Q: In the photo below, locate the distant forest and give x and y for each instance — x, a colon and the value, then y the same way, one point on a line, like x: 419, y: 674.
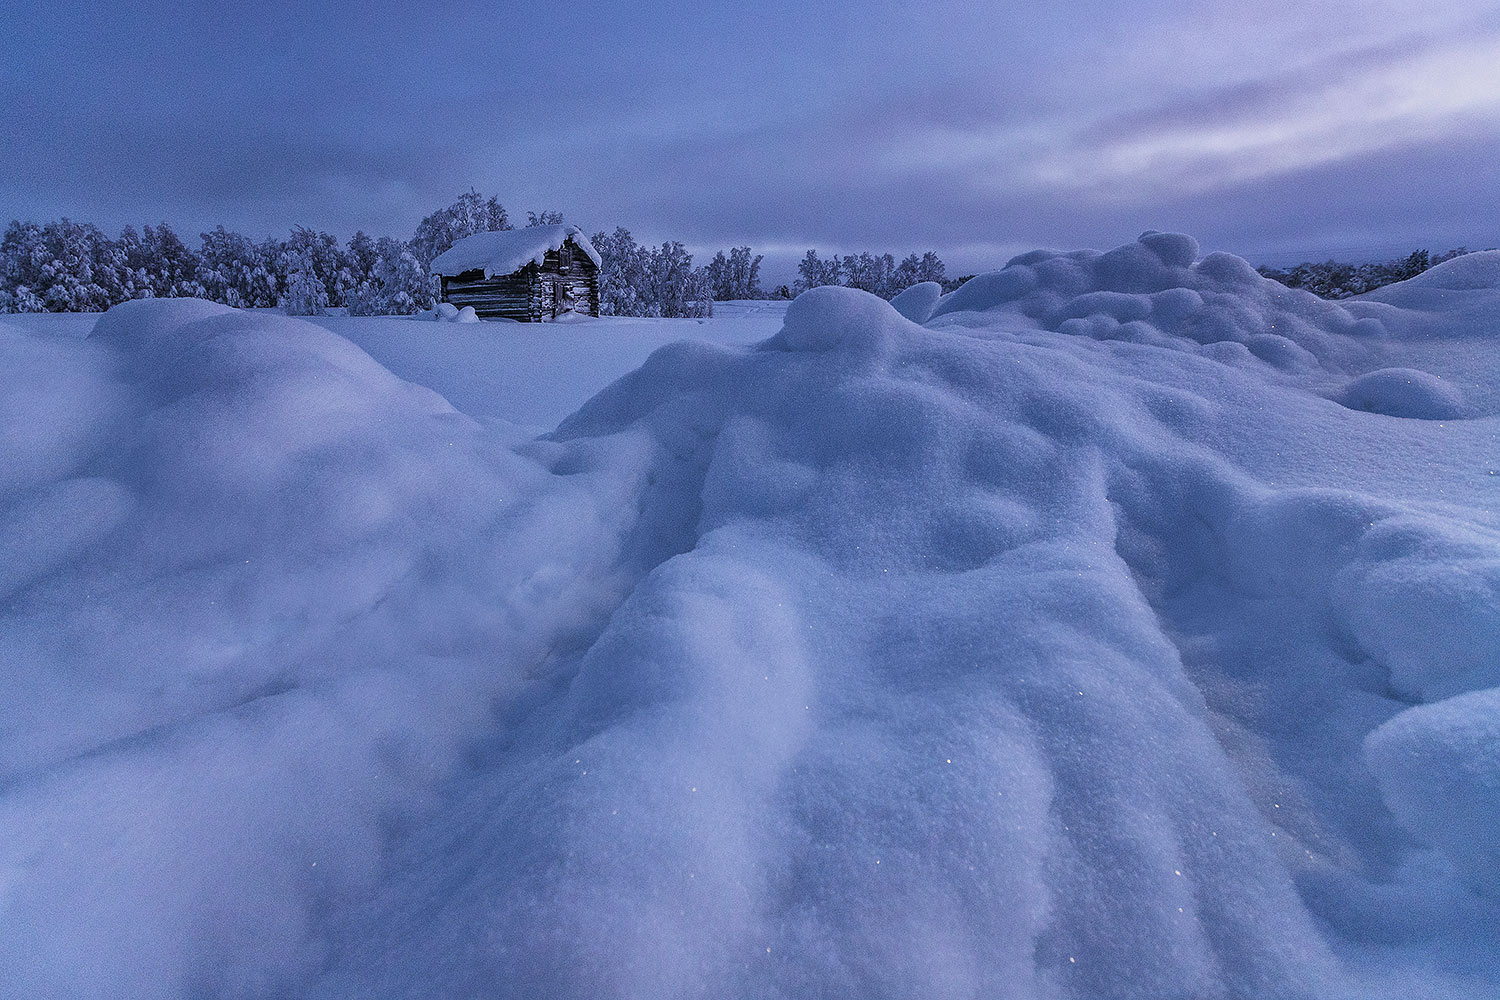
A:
x: 68, y: 266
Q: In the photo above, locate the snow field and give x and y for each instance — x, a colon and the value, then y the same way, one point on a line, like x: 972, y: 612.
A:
x: 989, y: 644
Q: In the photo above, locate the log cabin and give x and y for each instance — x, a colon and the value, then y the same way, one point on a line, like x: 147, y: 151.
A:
x: 534, y: 275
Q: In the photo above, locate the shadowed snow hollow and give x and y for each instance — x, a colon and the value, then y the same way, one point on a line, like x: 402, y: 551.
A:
x: 1074, y: 644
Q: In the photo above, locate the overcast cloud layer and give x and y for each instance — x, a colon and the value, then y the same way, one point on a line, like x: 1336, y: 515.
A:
x: 976, y: 130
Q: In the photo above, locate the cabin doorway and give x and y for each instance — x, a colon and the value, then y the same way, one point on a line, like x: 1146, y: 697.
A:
x: 557, y: 297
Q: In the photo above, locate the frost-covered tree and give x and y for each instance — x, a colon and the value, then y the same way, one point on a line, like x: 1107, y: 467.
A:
x: 878, y: 274
x: 399, y: 284
x: 135, y: 265
x: 360, y: 255
x: 640, y: 281
x: 471, y: 213
x: 62, y: 266
x: 736, y: 276
x: 813, y: 272
x: 156, y: 264
x: 622, y: 274
x: 317, y: 254
x: 672, y: 287
x: 305, y: 293
x: 867, y: 272
x: 178, y: 277
x: 236, y: 271
x: 543, y: 219
x: 914, y: 270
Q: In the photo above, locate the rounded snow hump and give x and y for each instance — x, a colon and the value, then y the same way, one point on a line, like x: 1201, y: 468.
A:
x: 1404, y: 392
x: 1158, y: 292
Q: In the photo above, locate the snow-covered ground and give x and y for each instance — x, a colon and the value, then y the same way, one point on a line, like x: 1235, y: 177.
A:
x: 527, y: 375
x: 1119, y: 625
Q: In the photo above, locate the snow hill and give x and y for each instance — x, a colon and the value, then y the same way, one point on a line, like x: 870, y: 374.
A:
x: 1117, y: 625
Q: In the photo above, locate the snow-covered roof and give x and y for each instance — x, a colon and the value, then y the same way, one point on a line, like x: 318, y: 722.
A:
x: 510, y: 250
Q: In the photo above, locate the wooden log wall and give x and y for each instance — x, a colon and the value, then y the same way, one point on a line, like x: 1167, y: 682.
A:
x: 529, y: 294
x: 512, y: 296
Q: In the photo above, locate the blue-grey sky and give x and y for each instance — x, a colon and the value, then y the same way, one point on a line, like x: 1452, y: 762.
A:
x: 1277, y: 131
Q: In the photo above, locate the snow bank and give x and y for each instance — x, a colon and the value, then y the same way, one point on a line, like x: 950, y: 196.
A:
x: 248, y: 621
x: 1471, y: 272
x: 510, y: 250
x: 1157, y: 292
x: 986, y: 657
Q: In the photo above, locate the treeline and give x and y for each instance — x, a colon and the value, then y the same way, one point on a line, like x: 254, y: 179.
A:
x: 879, y: 275
x: 67, y: 266
x: 1338, y: 280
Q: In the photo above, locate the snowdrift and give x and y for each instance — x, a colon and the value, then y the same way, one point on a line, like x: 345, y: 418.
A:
x: 1080, y: 640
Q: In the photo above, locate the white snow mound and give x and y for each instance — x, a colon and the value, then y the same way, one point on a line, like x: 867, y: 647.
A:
x: 1439, y: 770
x: 1156, y: 292
x: 917, y: 302
x: 985, y: 657
x: 1404, y: 392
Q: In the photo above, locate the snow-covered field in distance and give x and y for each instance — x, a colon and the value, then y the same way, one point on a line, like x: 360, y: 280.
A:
x: 1119, y: 625
x: 530, y: 375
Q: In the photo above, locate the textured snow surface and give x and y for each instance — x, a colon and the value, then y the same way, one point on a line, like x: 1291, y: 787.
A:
x: 510, y: 250
x: 1078, y: 643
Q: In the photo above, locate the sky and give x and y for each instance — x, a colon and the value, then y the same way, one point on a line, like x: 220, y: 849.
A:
x: 1280, y: 132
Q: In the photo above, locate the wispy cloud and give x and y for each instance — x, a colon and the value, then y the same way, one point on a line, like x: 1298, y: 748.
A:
x: 1346, y: 108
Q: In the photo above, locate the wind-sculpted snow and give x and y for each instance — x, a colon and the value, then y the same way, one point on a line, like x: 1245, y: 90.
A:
x: 1157, y: 292
x: 975, y: 659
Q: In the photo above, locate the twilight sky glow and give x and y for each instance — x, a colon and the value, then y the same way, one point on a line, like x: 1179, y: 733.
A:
x: 975, y: 129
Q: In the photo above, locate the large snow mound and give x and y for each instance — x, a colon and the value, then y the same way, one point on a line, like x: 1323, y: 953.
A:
x: 509, y: 250
x: 969, y: 659
x: 1157, y: 292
